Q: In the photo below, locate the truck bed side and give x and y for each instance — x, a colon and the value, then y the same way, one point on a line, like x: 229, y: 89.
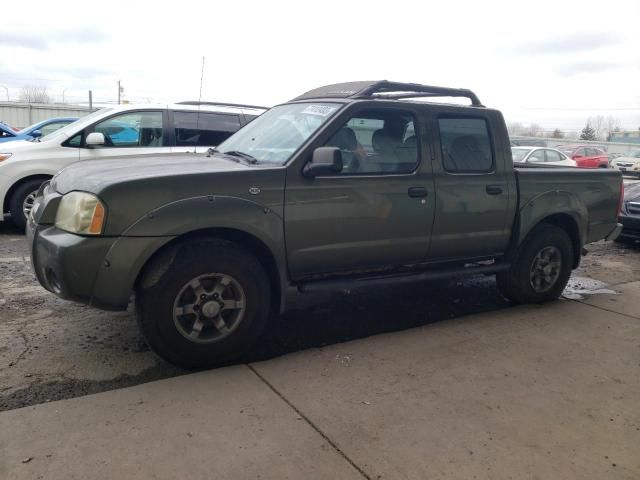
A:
x: 589, y: 197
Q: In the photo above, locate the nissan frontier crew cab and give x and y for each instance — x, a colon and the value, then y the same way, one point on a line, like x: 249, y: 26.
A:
x: 348, y: 184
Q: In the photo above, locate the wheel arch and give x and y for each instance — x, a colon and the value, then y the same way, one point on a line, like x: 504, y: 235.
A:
x: 566, y: 222
x: 17, y: 184
x: 157, y: 262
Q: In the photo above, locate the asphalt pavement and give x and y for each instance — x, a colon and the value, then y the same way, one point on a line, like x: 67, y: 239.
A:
x: 533, y: 392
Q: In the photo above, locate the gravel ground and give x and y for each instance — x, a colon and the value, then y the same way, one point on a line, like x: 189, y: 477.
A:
x: 52, y: 349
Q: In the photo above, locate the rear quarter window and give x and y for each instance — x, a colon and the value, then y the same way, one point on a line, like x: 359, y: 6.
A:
x: 465, y: 144
x: 203, y: 129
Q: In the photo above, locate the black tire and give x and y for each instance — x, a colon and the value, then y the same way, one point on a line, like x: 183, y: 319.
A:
x: 17, y: 200
x: 516, y: 283
x: 193, y: 259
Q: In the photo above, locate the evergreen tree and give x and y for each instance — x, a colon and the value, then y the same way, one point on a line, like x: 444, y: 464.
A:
x: 588, y: 133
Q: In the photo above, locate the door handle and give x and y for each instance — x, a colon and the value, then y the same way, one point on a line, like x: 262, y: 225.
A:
x: 494, y: 189
x: 416, y: 192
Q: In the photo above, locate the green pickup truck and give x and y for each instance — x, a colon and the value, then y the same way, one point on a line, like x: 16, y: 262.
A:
x: 349, y: 184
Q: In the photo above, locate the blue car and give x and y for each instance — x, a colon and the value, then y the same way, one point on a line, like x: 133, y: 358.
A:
x: 36, y: 130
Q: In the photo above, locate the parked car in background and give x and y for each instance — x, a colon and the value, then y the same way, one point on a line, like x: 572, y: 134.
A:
x: 628, y: 163
x: 40, y: 129
x: 546, y: 156
x: 630, y: 214
x: 6, y: 132
x: 586, y: 156
x: 344, y: 186
x: 118, y: 131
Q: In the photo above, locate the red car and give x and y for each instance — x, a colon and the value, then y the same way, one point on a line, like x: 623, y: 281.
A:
x: 586, y: 156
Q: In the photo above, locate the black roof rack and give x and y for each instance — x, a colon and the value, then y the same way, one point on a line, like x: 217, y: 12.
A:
x: 387, y: 89
x: 220, y: 104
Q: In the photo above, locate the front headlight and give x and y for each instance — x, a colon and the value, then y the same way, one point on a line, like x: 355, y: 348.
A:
x: 80, y: 212
x: 4, y: 156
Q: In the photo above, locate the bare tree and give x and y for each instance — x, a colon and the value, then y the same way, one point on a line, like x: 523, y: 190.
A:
x: 612, y: 126
x: 514, y: 128
x: 34, y: 94
x: 557, y: 133
x: 532, y: 130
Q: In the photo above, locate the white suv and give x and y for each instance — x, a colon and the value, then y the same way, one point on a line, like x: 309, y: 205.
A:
x: 123, y: 130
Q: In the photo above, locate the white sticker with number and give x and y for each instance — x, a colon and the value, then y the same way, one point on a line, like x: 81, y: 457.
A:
x: 320, y: 110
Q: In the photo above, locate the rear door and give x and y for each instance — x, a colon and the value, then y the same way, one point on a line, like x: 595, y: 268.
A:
x: 472, y: 208
x: 199, y: 131
x: 131, y: 133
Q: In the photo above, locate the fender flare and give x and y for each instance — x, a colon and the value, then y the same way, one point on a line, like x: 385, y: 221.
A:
x: 205, y: 215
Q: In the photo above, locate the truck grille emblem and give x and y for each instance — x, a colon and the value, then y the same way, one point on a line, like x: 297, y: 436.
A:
x: 254, y: 190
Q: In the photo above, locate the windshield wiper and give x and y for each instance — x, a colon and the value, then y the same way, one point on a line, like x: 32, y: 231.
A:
x: 245, y: 156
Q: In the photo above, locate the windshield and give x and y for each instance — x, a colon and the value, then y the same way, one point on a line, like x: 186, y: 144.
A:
x: 635, y: 154
x: 519, y: 154
x: 73, y: 127
x: 275, y: 135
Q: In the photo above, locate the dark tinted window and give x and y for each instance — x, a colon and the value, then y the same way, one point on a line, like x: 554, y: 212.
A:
x: 377, y: 141
x: 203, y: 129
x: 466, y: 146
x: 74, y: 141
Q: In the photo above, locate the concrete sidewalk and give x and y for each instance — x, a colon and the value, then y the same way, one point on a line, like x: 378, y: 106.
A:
x: 543, y: 392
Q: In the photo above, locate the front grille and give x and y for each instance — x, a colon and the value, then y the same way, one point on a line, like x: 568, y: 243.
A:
x: 625, y: 164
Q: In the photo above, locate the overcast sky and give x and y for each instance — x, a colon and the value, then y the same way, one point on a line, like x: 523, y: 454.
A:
x: 554, y: 63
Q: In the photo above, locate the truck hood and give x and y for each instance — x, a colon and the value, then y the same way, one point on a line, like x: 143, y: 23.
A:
x: 97, y: 175
x: 133, y: 187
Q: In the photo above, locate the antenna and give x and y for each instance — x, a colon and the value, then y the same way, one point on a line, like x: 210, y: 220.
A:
x: 195, y: 147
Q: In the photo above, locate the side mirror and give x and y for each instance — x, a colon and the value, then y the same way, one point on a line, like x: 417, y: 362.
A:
x: 95, y: 139
x: 36, y: 134
x: 576, y: 156
x: 325, y: 161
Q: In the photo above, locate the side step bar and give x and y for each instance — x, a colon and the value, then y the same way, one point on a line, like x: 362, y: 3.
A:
x: 349, y: 283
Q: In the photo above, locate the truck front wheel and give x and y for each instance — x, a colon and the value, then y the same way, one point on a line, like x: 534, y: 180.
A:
x: 203, y: 305
x: 541, y: 268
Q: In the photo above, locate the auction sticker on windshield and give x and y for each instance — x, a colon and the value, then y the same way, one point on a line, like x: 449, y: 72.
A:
x: 320, y: 110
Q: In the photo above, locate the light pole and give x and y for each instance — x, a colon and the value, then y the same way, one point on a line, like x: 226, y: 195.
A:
x: 7, y: 90
x: 63, y: 90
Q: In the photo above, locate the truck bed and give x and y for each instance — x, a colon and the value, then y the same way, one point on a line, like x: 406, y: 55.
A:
x: 594, y: 192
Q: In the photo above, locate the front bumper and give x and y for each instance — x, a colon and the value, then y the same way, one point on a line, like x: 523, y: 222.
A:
x: 615, y: 233
x: 99, y: 271
x: 630, y: 226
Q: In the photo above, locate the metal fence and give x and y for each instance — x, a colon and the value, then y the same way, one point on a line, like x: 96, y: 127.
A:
x: 20, y: 115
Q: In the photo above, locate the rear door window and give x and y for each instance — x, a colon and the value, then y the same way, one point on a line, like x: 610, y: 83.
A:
x: 553, y: 156
x: 537, y: 156
x: 465, y: 144
x: 195, y: 129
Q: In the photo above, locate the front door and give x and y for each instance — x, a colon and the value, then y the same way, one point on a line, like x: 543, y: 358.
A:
x: 129, y: 133
x: 376, y: 213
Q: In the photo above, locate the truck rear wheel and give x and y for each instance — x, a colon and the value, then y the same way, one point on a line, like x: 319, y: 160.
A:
x: 541, y: 269
x: 207, y: 307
